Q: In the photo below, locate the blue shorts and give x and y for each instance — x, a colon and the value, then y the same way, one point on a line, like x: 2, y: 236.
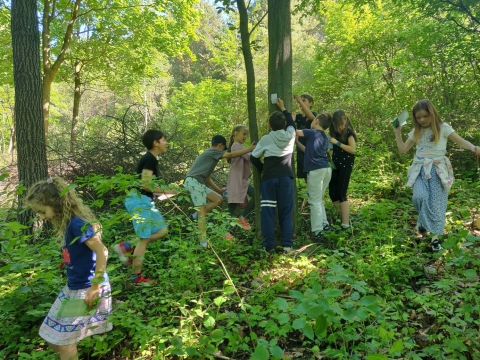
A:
x: 146, y: 218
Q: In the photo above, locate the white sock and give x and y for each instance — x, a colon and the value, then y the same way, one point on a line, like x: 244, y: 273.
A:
x: 346, y: 226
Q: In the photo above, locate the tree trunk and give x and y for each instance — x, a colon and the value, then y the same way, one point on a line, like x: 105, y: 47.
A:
x: 280, y: 62
x: 77, y: 95
x: 30, y: 135
x: 251, y: 104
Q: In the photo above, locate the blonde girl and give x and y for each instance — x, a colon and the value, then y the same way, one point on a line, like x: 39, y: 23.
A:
x: 85, y: 260
x: 430, y: 174
x: 239, y: 188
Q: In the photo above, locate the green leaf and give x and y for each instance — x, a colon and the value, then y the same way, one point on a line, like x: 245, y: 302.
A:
x: 368, y: 300
x: 283, y: 318
x: 281, y: 303
x: 349, y: 314
x: 228, y: 290
x: 332, y: 293
x: 219, y: 300
x: 209, y: 322
x: 470, y: 274
x: 376, y: 357
x: 15, y: 226
x: 260, y: 353
x: 276, y: 351
x: 321, y: 327
x: 23, y: 289
x: 308, y: 331
x: 191, y: 351
x: 296, y: 294
x: 216, y: 334
x: 315, y: 311
x: 397, y: 346
x: 299, y: 323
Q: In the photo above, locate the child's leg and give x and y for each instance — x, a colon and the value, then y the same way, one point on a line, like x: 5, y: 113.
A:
x: 344, y: 181
x: 231, y: 209
x: 251, y: 203
x: 65, y: 352
x: 284, y: 191
x: 268, y: 207
x: 345, y: 212
x: 139, y: 252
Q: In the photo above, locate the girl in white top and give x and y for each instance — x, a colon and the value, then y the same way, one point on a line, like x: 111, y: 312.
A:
x: 430, y: 174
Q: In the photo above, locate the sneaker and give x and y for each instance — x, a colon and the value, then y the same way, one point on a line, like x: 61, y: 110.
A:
x: 327, y: 228
x: 318, y: 236
x: 140, y: 280
x: 269, y: 249
x: 287, y: 249
x: 436, y: 246
x: 244, y: 224
x: 345, y: 228
x: 124, y: 251
x: 229, y: 236
x: 194, y: 217
x: 204, y: 244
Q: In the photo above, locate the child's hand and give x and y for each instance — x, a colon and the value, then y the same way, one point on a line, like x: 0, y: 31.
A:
x: 222, y: 190
x: 280, y: 104
x: 476, y: 151
x: 297, y: 98
x: 332, y: 140
x: 92, y: 295
x: 252, y: 146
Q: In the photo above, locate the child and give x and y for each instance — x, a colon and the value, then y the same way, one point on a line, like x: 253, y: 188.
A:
x: 277, y: 186
x: 431, y: 173
x: 238, y: 185
x: 148, y: 222
x: 85, y: 259
x: 303, y: 121
x: 343, y: 137
x: 200, y: 185
x: 318, y: 171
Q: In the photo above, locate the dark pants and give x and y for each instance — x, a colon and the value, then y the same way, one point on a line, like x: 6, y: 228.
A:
x: 277, y: 194
x: 337, y: 189
x: 250, y: 206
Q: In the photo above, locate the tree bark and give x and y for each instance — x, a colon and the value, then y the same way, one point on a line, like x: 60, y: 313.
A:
x: 30, y: 135
x: 77, y: 96
x: 251, y: 104
x: 280, y: 63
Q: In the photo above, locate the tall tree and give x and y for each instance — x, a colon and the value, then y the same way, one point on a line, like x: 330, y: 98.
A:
x: 280, y: 59
x: 32, y: 155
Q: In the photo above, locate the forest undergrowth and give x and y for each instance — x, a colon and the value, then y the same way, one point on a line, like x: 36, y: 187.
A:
x: 374, y: 293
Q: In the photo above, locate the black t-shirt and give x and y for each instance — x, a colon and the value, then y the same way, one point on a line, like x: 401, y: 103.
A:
x: 340, y: 157
x: 302, y: 122
x: 149, y: 162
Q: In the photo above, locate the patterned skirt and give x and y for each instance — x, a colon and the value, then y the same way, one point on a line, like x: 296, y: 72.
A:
x: 430, y: 200
x: 70, y: 330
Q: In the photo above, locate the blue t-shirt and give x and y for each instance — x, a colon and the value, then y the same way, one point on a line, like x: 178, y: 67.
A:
x: 79, y: 259
x: 315, y: 150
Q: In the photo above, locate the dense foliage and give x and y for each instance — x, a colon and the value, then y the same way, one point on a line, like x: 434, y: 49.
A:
x: 376, y: 293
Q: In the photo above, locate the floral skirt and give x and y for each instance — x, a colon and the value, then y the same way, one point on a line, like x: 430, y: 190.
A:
x: 70, y: 330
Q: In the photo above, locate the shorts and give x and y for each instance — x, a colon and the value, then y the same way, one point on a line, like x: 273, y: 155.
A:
x: 146, y: 218
x: 198, y: 191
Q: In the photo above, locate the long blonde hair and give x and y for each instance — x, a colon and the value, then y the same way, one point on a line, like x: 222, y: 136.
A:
x: 65, y: 202
x: 427, y: 106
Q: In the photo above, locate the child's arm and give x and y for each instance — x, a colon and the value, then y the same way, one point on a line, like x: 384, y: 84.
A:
x: 238, y: 153
x: 96, y: 245
x: 257, y: 162
x: 147, y: 178
x: 288, y: 116
x: 464, y: 144
x: 299, y: 133
x: 402, y: 147
x: 214, y: 186
x: 350, y: 148
x: 305, y: 109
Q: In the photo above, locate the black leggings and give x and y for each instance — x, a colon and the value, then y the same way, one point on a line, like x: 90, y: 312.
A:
x: 250, y: 206
x: 339, y: 184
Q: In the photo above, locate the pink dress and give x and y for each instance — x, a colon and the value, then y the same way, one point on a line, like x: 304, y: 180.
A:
x: 238, y: 177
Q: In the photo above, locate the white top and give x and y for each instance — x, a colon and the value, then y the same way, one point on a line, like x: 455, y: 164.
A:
x: 428, y: 148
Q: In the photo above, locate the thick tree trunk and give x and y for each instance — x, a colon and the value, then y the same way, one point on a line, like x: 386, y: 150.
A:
x: 30, y: 136
x: 251, y: 104
x: 280, y: 60
x: 77, y: 95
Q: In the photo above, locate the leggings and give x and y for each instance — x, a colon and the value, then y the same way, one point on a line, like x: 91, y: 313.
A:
x: 339, y: 184
x: 250, y: 206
